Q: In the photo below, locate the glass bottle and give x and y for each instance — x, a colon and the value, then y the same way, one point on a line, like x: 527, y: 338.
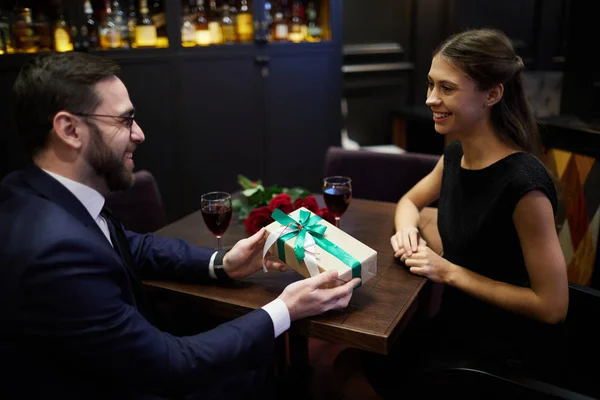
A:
x: 314, y: 31
x: 145, y: 31
x: 188, y: 29
x: 159, y: 18
x: 227, y: 26
x: 268, y: 20
x: 121, y: 23
x: 280, y: 22
x: 44, y: 32
x: 5, y: 37
x: 214, y: 24
x: 298, y: 29
x: 132, y: 22
x: 110, y: 35
x: 62, y: 35
x: 203, y: 37
x: 25, y: 39
x: 91, y: 26
x: 244, y: 27
x: 233, y: 13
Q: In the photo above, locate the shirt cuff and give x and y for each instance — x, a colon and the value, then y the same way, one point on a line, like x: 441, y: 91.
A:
x: 211, y: 266
x: 280, y: 315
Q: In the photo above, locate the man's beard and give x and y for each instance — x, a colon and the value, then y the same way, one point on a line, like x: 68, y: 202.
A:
x: 106, y: 164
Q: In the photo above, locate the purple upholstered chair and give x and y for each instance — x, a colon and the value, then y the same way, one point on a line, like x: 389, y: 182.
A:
x: 379, y: 176
x: 139, y: 208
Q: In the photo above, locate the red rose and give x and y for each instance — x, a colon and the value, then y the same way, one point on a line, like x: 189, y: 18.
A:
x: 257, y: 218
x: 326, y: 215
x: 282, y: 201
x: 298, y: 203
x: 310, y: 203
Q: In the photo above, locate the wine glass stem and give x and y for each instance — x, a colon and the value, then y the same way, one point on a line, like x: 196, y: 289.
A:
x: 218, y: 243
x: 337, y: 222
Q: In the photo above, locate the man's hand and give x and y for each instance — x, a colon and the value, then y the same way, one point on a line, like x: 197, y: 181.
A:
x: 309, y: 296
x: 245, y: 258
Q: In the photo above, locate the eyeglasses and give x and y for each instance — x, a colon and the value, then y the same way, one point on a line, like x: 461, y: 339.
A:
x: 127, y: 120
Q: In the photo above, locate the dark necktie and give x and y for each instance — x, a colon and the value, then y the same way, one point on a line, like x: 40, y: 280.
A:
x: 121, y: 246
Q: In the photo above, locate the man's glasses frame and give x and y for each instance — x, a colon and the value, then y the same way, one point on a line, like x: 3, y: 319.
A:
x: 127, y: 119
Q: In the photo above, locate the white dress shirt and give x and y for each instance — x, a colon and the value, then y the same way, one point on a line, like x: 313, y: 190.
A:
x: 93, y: 201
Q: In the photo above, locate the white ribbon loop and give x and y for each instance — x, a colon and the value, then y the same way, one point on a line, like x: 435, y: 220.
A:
x: 309, y: 249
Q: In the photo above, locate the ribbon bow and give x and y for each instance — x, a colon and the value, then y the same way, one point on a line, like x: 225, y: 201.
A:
x: 308, y: 231
x: 306, y: 224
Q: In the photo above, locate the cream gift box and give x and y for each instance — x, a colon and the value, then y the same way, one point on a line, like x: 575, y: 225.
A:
x: 311, y: 245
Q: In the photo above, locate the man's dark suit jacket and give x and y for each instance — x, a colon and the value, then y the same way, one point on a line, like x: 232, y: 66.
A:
x: 69, y: 325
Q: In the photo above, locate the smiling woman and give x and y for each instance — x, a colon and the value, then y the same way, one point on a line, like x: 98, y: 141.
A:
x: 505, y: 277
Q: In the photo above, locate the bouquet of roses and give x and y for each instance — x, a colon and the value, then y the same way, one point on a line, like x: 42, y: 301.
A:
x: 258, y: 203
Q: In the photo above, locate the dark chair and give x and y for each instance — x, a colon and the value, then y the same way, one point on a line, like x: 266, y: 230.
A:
x: 139, y: 208
x: 476, y: 379
x: 379, y: 176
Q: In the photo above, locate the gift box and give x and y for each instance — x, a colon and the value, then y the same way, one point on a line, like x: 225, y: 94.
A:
x: 310, y: 245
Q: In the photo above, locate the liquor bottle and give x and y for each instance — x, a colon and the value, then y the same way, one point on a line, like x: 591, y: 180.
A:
x: 25, y: 39
x: 214, y: 24
x: 268, y: 21
x: 121, y: 23
x: 110, y: 35
x: 145, y: 31
x: 313, y: 32
x: 91, y: 26
x: 43, y: 31
x: 298, y: 28
x: 5, y: 37
x: 280, y: 22
x: 131, y: 22
x: 202, y: 32
x: 227, y: 26
x: 244, y: 23
x: 159, y: 18
x: 76, y: 39
x: 193, y: 9
x: 62, y: 35
x: 2, y: 40
x: 188, y: 29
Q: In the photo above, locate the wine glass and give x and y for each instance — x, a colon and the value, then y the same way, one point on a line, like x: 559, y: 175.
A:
x: 337, y: 192
x: 216, y: 211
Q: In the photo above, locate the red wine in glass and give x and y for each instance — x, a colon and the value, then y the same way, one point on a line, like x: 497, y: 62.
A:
x: 337, y: 200
x: 337, y: 193
x: 217, y: 218
x: 216, y: 211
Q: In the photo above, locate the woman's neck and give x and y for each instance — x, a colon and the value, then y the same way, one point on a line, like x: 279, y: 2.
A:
x: 483, y: 148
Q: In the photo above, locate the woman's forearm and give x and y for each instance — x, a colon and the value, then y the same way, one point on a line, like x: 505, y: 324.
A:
x: 520, y: 300
x: 407, y: 214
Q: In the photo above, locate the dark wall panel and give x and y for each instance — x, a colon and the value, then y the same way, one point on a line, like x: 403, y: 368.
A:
x: 151, y: 87
x: 303, y: 122
x: 377, y: 21
x: 223, y: 130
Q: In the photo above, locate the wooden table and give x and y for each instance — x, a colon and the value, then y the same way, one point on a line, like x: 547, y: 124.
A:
x: 378, y: 312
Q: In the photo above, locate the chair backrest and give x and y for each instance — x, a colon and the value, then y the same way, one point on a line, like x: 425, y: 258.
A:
x: 379, y: 176
x: 139, y: 208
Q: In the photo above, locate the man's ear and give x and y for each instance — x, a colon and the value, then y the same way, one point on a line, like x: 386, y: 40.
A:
x: 494, y: 94
x: 65, y: 128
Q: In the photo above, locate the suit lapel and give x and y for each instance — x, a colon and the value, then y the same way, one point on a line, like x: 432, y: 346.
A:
x: 54, y: 191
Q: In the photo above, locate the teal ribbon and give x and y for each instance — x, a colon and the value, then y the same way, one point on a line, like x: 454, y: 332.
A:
x: 311, y: 224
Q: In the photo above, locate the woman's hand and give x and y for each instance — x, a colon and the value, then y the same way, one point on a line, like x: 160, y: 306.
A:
x: 426, y: 262
x: 406, y: 241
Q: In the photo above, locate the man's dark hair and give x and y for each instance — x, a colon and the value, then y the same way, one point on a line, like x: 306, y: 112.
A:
x: 51, y: 83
